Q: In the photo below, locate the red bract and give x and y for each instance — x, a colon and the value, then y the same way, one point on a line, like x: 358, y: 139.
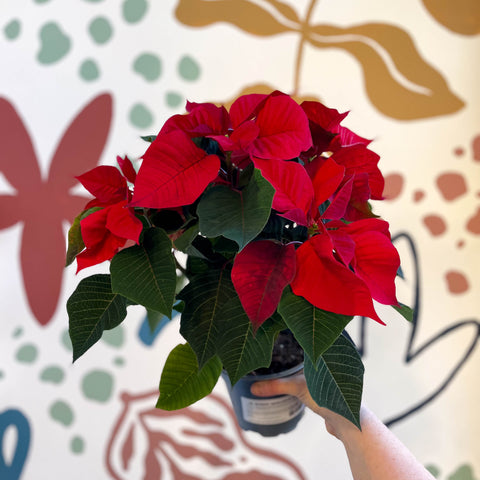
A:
x: 106, y: 230
x: 203, y: 119
x: 260, y: 273
x: 293, y: 189
x: 282, y: 129
x: 106, y: 184
x: 174, y: 172
x: 329, y: 284
x: 376, y: 260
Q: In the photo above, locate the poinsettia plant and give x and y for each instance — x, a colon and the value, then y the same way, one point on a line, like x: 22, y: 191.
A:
x: 248, y: 221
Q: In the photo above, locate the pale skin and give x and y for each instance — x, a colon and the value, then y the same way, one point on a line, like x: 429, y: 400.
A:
x: 374, y: 453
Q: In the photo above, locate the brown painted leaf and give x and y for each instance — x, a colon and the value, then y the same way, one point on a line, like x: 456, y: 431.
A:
x: 286, y: 10
x: 399, y: 82
x: 244, y: 14
x: 461, y: 16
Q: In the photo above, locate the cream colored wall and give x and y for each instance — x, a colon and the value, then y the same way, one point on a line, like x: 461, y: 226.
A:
x: 410, y: 83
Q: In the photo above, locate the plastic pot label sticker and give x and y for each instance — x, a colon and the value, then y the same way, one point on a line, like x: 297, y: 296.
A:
x: 271, y: 411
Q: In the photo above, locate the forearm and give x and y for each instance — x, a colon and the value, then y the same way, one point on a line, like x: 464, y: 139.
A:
x: 375, y: 453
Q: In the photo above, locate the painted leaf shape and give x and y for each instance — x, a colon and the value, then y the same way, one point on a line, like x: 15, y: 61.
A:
x: 93, y: 308
x: 405, y: 86
x: 182, y: 383
x: 314, y: 329
x: 260, y: 273
x: 174, y: 172
x: 204, y: 296
x: 146, y: 273
x: 336, y: 381
x: 239, y: 215
x: 244, y: 14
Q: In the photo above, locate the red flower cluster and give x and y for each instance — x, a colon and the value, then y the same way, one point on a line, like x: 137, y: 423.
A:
x: 323, y: 175
x: 111, y: 223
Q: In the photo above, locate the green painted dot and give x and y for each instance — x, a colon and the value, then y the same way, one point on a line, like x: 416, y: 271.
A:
x: 41, y: 1
x: 465, y: 472
x: 119, y: 361
x: 77, y: 445
x: 12, y: 29
x: 52, y: 374
x: 140, y: 116
x: 188, y: 68
x: 54, y: 44
x: 18, y: 332
x: 134, y: 10
x: 148, y: 65
x: 66, y: 341
x: 173, y: 99
x: 61, y: 413
x: 434, y: 470
x: 100, y: 30
x: 1, y: 374
x: 94, y: 1
x: 97, y: 385
x: 89, y: 70
x: 27, y: 353
x: 114, y: 337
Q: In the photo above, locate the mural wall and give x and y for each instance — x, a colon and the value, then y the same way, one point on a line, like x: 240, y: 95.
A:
x: 83, y: 80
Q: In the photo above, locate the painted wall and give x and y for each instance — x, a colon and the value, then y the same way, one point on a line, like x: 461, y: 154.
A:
x: 82, y: 80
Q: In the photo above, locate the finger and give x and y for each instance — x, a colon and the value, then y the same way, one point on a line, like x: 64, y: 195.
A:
x: 275, y: 387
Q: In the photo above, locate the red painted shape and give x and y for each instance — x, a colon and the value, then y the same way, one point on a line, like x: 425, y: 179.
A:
x: 42, y: 205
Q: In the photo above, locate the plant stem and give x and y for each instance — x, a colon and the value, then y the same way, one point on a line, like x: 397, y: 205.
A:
x: 298, y: 63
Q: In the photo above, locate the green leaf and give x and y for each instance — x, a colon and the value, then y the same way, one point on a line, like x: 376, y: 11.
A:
x: 204, y: 297
x: 239, y: 215
x: 405, y: 311
x: 314, y: 329
x: 148, y: 138
x: 93, y: 308
x: 336, y: 381
x: 184, y: 242
x: 154, y: 318
x: 240, y: 350
x: 75, y: 240
x: 182, y: 383
x: 146, y: 273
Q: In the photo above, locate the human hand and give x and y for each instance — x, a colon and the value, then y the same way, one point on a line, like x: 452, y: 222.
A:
x: 296, y: 385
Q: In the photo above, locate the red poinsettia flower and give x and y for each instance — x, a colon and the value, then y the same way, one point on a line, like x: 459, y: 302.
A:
x: 272, y: 127
x: 362, y: 180
x: 107, y: 230
x: 355, y: 262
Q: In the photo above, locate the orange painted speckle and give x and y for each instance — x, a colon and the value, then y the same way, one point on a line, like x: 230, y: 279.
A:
x: 451, y: 185
x: 459, y: 151
x: 394, y: 183
x: 460, y: 243
x: 435, y: 224
x: 456, y: 282
x: 473, y: 224
x: 418, y: 195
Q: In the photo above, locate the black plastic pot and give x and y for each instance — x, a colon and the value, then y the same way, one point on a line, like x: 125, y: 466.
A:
x: 269, y: 416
